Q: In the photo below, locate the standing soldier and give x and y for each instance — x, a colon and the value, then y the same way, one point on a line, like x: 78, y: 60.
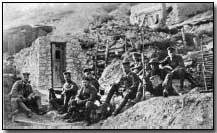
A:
x: 131, y: 83
x: 68, y: 92
x: 177, y: 71
x: 22, y: 95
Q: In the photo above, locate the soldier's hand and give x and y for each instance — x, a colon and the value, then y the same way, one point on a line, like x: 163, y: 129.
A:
x: 63, y: 92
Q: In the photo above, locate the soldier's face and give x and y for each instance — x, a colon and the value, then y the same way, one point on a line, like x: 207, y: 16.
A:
x: 26, y: 77
x: 84, y: 82
x: 171, y: 53
x: 67, y: 77
x: 154, y: 66
x: 126, y: 68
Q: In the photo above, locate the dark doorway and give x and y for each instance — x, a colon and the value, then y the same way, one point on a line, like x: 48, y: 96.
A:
x: 58, y: 63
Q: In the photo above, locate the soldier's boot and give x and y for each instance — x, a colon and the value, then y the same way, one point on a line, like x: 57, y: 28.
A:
x: 123, y: 103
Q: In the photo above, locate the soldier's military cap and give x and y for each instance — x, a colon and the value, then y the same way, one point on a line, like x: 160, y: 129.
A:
x: 154, y: 61
x: 66, y: 73
x: 26, y: 73
x: 171, y: 49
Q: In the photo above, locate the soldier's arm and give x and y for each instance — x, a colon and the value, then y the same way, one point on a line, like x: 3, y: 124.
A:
x: 14, y: 91
x: 78, y: 96
x: 136, y: 81
x: 165, y: 61
x: 181, y: 61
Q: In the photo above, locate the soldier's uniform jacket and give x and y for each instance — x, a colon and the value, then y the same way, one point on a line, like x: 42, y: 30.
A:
x: 70, y: 86
x: 20, y: 88
x: 87, y: 93
x: 130, y: 81
x: 160, y: 72
x: 94, y: 82
x: 174, y: 62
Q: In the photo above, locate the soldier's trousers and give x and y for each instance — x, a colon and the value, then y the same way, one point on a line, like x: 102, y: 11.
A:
x: 131, y: 94
x: 57, y: 102
x: 77, y: 104
x: 178, y: 73
x: 158, y: 91
x: 27, y: 105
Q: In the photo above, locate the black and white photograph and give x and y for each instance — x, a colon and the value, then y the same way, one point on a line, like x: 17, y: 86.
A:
x: 108, y: 65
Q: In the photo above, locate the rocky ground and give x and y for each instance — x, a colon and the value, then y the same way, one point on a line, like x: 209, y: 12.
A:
x: 193, y: 110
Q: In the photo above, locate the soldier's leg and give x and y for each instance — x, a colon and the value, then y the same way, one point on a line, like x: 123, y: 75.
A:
x: 149, y: 87
x: 114, y: 89
x: 177, y: 73
x: 88, y: 106
x: 189, y: 77
x: 139, y: 94
x: 123, y: 103
x: 37, y: 99
x: 66, y: 101
x: 55, y: 103
x: 167, y: 84
x: 14, y: 108
x: 23, y: 106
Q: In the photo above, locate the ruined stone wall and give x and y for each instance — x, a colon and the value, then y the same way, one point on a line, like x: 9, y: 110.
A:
x: 181, y: 11
x: 76, y: 60
x: 44, y: 81
x: 27, y: 60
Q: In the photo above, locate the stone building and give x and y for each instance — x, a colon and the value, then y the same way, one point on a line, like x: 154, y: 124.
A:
x: 17, y: 38
x: 48, y: 58
x: 149, y: 12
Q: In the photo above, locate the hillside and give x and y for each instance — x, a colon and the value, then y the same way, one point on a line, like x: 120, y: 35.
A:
x: 190, y: 111
x: 99, y: 36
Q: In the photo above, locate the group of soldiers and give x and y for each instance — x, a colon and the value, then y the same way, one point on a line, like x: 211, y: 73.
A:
x: 133, y: 86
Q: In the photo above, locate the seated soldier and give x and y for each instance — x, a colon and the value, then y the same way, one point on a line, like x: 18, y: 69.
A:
x: 132, y: 85
x: 22, y: 96
x: 177, y: 70
x: 85, y: 99
x: 92, y: 80
x: 158, y: 74
x: 68, y: 92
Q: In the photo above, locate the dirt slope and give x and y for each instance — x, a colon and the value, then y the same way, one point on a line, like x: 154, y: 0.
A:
x: 190, y: 111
